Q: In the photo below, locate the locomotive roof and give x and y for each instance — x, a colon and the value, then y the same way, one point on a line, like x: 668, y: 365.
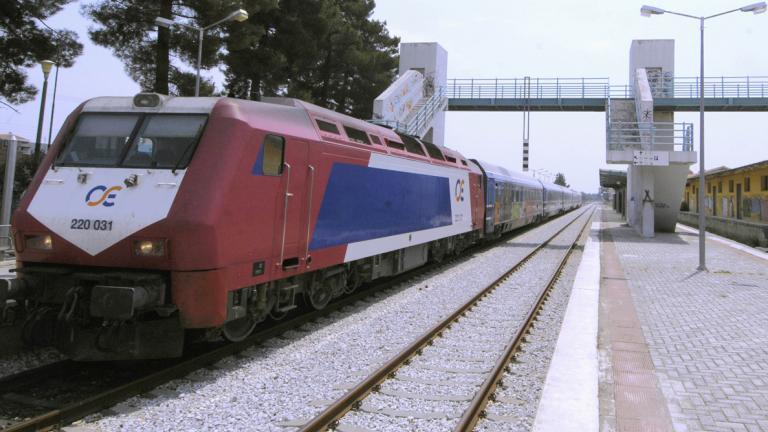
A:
x: 291, y: 116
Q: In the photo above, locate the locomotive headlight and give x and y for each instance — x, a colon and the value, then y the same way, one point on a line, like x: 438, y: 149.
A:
x: 40, y: 242
x: 149, y: 248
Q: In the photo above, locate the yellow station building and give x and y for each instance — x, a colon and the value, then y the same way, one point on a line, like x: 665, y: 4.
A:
x: 738, y: 193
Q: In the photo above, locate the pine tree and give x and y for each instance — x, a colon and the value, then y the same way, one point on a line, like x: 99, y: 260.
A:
x: 25, y: 40
x: 128, y: 28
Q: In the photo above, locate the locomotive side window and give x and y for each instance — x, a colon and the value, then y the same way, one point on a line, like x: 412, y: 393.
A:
x: 433, y: 151
x: 274, y: 152
x: 357, y: 135
x: 98, y: 140
x: 375, y: 139
x: 394, y: 144
x: 165, y: 141
x: 411, y: 145
x: 327, y: 126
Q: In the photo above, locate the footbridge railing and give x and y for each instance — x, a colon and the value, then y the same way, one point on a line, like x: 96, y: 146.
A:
x: 584, y: 88
x: 663, y: 136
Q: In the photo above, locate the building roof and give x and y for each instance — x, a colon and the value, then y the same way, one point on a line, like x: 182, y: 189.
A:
x: 19, y: 138
x: 613, y: 178
x: 724, y: 171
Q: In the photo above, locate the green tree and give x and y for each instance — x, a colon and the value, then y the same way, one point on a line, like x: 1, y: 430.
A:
x: 25, y: 170
x: 128, y: 28
x: 25, y: 40
x: 560, y: 180
x: 329, y: 52
x: 354, y: 60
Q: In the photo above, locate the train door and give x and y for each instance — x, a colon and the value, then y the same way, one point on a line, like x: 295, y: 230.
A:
x: 490, y: 200
x: 738, y: 201
x: 291, y: 232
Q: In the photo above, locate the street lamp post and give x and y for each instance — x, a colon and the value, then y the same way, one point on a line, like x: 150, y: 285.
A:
x: 647, y: 11
x: 46, y: 65
x: 239, y: 15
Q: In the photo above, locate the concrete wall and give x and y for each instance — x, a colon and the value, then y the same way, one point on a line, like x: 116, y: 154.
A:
x: 430, y: 59
x: 753, y: 234
x: 653, y: 53
x: 398, y: 99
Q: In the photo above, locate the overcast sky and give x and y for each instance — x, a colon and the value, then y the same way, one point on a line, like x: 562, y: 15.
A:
x: 509, y: 39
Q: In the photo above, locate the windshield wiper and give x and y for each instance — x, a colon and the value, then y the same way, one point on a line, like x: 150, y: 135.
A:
x: 183, y: 156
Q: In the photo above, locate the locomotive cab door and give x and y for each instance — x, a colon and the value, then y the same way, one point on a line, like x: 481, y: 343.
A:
x: 292, y: 221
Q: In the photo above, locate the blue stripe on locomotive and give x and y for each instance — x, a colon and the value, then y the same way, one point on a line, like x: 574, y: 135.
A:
x: 363, y: 203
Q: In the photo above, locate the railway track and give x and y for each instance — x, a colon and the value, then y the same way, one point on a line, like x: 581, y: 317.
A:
x: 63, y: 392
x: 464, y: 409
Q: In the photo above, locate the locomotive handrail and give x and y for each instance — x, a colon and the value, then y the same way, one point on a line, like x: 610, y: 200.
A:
x: 309, y: 212
x: 288, y: 194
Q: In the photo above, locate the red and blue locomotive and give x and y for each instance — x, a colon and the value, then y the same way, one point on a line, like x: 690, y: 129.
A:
x: 155, y: 217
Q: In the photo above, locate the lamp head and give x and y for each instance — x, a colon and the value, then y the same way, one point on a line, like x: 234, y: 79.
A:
x: 239, y: 15
x: 756, y: 8
x: 163, y: 22
x: 47, y: 65
x: 647, y: 11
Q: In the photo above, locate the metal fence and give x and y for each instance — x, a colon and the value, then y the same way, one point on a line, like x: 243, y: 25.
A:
x: 660, y: 135
x: 570, y: 88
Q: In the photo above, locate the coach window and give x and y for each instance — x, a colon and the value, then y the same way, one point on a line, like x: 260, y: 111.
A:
x: 274, y: 153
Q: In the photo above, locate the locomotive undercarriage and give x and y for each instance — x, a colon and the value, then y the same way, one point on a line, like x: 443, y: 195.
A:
x: 92, y: 314
x: 247, y: 307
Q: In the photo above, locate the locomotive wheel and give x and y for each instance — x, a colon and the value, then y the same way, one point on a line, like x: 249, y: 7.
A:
x: 319, y: 295
x: 239, y: 329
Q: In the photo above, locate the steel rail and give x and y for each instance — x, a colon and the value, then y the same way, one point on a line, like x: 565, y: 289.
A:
x: 329, y: 417
x: 487, y: 391
x: 92, y: 404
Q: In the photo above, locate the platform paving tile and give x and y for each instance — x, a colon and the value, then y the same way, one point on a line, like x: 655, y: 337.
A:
x: 707, y: 332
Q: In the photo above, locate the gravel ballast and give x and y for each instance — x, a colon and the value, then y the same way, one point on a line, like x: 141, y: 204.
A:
x: 290, y: 378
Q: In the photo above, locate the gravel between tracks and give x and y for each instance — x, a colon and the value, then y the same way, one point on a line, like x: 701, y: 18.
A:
x: 26, y: 359
x: 494, y: 321
x: 288, y: 378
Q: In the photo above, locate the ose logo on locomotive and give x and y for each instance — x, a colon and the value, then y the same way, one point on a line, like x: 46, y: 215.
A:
x: 459, y: 190
x: 105, y: 198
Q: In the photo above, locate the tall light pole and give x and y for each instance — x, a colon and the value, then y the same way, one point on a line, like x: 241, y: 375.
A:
x: 647, y: 11
x: 46, y: 65
x: 239, y: 15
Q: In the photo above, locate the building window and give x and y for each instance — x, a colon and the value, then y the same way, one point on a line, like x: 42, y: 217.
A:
x: 747, y: 184
x: 730, y: 186
x: 764, y: 183
x: 720, y: 187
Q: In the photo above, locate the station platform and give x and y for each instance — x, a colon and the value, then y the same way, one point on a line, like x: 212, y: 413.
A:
x: 648, y: 343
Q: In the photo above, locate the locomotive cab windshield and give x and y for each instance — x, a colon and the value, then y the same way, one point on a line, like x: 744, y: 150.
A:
x: 133, y: 140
